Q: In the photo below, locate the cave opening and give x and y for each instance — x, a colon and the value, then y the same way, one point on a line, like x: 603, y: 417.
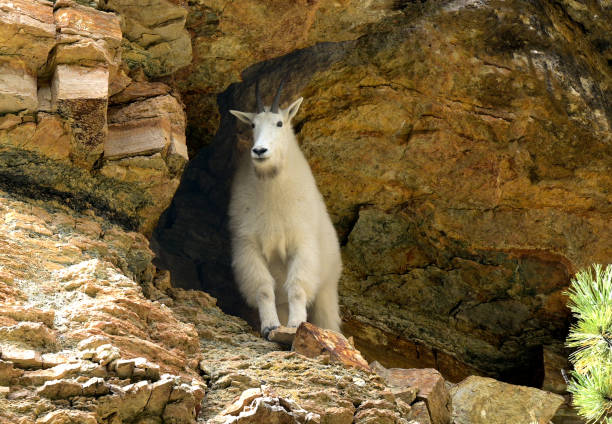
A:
x: 192, y: 239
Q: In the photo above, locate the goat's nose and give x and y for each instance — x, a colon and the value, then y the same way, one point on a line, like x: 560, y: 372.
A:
x: 259, y: 150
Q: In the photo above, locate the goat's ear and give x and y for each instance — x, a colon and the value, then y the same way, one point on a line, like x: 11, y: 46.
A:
x: 245, y: 117
x: 293, y: 108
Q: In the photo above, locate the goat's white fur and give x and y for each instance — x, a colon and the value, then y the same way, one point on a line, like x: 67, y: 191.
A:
x: 286, y: 256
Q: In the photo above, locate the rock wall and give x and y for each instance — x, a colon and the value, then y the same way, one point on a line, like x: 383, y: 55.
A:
x: 463, y: 149
x: 81, y: 124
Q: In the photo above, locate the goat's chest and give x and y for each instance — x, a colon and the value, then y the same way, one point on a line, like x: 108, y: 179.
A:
x: 279, y: 226
x: 273, y: 236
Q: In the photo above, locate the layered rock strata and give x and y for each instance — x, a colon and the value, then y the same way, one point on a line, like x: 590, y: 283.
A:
x: 80, y: 342
x: 59, y: 131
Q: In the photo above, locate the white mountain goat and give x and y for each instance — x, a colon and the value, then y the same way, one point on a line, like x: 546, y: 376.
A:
x: 285, y: 251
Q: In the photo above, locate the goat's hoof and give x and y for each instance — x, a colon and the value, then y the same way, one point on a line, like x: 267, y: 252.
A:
x: 265, y: 332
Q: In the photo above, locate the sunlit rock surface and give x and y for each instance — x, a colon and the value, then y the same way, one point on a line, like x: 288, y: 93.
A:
x: 80, y: 341
x: 58, y: 129
x: 463, y: 149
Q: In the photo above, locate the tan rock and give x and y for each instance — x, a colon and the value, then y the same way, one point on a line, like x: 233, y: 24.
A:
x: 51, y: 360
x: 60, y: 389
x: 245, y: 399
x: 31, y: 334
x: 17, y: 88
x: 420, y: 413
x: 274, y: 410
x: 157, y: 35
x: 141, y: 137
x: 45, y: 100
x: 9, y: 121
x: 151, y: 371
x: 105, y: 354
x: 338, y: 415
x: 178, y: 147
x: 376, y: 416
x: 22, y: 313
x: 22, y: 358
x: 80, y: 94
x: 554, y: 363
x: 118, y: 83
x: 87, y: 35
x: 165, y: 105
x: 283, y: 335
x: 483, y: 400
x: 58, y: 372
x: 72, y: 18
x: 123, y: 367
x: 52, y: 137
x: 95, y: 386
x: 8, y: 373
x: 93, y: 342
x: 160, y: 393
x: 139, y: 90
x: 312, y: 341
x: 431, y: 389
x: 73, y: 82
x: 163, y: 280
x: 179, y: 413
x: 134, y: 400
x: 27, y: 31
x: 68, y: 417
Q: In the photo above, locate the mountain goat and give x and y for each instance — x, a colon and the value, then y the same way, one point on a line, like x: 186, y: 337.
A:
x: 285, y: 251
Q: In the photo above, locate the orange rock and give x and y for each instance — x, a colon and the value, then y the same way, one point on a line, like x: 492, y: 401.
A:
x: 312, y: 341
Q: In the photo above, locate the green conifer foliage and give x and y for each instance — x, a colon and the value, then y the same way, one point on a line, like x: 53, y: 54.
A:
x: 590, y: 299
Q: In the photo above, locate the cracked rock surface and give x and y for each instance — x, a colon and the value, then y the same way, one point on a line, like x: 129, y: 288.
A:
x: 463, y: 151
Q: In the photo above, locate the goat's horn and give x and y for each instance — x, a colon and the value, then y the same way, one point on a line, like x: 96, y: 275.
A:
x: 277, y: 97
x: 260, y: 107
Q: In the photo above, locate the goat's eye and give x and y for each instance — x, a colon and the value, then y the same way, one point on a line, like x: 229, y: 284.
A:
x: 279, y: 124
x: 253, y: 125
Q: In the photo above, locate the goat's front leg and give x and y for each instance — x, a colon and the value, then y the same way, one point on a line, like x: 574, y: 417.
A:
x: 256, y: 283
x: 302, y: 283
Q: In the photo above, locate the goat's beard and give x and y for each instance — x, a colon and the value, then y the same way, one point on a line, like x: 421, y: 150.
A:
x: 263, y: 171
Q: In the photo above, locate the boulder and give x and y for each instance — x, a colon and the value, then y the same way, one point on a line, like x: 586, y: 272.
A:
x: 481, y: 400
x: 312, y: 341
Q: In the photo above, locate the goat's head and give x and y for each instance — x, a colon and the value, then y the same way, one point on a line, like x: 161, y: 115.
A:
x: 272, y: 133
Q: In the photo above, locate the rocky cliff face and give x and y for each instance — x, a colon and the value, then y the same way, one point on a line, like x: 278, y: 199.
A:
x: 463, y: 149
x: 81, y: 124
